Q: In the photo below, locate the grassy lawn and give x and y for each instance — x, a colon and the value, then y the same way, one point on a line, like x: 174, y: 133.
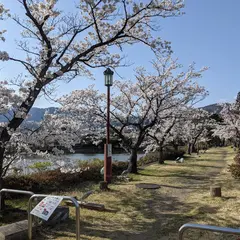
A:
x: 158, y: 214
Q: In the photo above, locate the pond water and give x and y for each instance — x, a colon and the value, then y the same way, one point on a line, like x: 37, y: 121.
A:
x: 74, y: 158
x: 86, y: 156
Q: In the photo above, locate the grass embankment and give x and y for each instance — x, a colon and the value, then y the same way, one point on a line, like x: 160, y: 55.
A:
x: 158, y: 214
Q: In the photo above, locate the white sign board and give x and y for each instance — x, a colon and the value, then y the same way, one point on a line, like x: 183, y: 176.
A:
x: 109, y: 147
x: 46, y: 207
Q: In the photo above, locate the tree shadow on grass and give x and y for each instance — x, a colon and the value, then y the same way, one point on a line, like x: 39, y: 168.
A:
x: 148, y: 214
x: 9, y: 216
x: 178, y: 175
x: 210, y: 153
x: 176, y: 187
x: 204, y: 166
x: 135, y: 222
x: 15, y: 210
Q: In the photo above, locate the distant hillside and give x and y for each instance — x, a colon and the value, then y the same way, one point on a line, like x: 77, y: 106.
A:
x: 213, y: 108
x: 35, y: 114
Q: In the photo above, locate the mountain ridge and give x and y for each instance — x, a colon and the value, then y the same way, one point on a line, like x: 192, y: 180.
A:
x: 36, y: 114
x: 214, y: 108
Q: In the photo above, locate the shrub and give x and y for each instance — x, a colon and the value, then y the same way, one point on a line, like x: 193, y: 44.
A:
x: 46, y: 181
x: 95, y: 162
x: 237, y: 159
x: 20, y: 182
x: 148, y: 158
x: 55, y: 180
x: 40, y: 166
x: 235, y: 170
x: 118, y: 167
x: 235, y: 167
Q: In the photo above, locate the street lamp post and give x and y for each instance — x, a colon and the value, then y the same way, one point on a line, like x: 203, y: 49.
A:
x: 108, y: 77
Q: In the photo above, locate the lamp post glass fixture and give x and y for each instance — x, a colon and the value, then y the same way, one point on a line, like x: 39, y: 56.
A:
x: 108, y: 78
x: 108, y: 74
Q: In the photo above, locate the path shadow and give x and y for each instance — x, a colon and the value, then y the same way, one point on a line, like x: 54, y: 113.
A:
x: 155, y: 216
x: 176, y: 187
x: 177, y: 175
x: 10, y: 215
x: 204, y: 166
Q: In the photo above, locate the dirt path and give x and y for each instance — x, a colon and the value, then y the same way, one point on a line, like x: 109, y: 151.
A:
x: 172, y: 207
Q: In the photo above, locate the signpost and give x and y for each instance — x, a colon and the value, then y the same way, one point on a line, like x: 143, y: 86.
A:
x: 72, y: 199
x: 46, y: 207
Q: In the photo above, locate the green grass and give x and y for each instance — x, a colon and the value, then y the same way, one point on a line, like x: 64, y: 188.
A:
x: 158, y: 214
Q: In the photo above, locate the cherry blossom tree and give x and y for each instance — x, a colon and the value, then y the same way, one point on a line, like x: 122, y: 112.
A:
x: 188, y: 126
x: 48, y: 139
x: 59, y: 46
x: 185, y: 125
x: 167, y: 132
x: 3, y: 14
x: 229, y: 129
x: 136, y: 107
x: 197, y: 128
x: 160, y: 136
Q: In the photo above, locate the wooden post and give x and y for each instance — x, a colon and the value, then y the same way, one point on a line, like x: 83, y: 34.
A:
x: 103, y: 185
x: 215, y: 191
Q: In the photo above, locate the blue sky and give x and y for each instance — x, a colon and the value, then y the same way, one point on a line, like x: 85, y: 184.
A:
x: 207, y: 34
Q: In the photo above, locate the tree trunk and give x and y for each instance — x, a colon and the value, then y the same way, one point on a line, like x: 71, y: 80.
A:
x: 2, y: 202
x: 175, y: 147
x: 161, y: 160
x: 194, y: 149
x: 132, y: 165
x: 2, y: 150
x: 189, y: 148
x: 15, y: 122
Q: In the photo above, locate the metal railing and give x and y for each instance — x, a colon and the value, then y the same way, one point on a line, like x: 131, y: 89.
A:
x: 5, y: 190
x: 86, y: 195
x: 184, y: 227
x: 30, y: 217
